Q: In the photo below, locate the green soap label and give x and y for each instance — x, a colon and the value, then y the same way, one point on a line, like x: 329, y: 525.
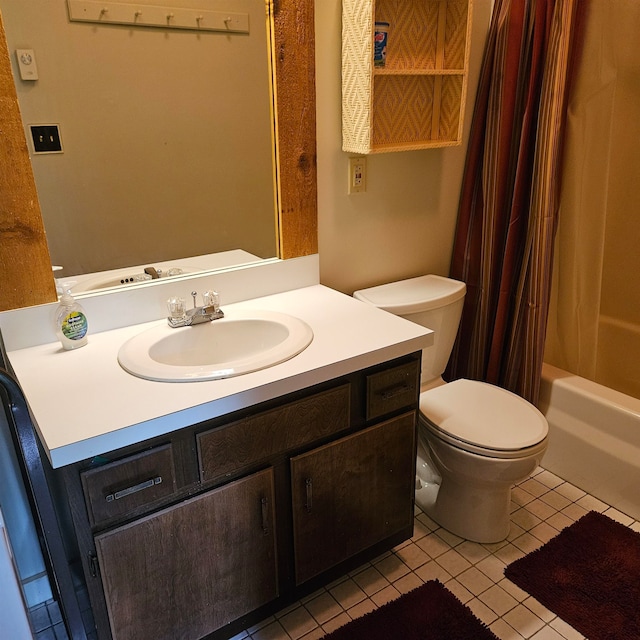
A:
x: 75, y: 325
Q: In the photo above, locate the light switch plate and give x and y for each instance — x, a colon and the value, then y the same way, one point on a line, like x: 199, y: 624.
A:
x: 46, y: 138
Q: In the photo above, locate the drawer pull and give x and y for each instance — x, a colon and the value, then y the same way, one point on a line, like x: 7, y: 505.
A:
x: 398, y: 390
x: 265, y: 516
x: 151, y: 482
x: 309, y: 486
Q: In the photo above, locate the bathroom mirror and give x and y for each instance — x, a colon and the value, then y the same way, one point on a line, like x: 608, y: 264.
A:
x: 28, y: 281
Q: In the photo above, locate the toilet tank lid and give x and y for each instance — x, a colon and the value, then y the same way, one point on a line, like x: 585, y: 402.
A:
x: 414, y: 294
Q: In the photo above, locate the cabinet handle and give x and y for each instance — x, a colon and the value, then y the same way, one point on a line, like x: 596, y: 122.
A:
x: 265, y: 516
x: 309, y: 486
x: 94, y: 567
x: 392, y: 392
x: 123, y: 493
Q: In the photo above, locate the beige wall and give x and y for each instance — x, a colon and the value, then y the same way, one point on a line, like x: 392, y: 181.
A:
x: 403, y: 225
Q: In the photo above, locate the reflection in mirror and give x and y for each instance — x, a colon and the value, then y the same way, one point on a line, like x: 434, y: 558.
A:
x: 167, y: 139
x: 25, y: 263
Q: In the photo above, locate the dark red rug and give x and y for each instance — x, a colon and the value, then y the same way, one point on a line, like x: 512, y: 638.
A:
x: 589, y: 575
x: 430, y: 612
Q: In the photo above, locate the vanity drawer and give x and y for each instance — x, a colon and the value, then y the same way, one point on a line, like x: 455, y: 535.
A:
x: 125, y: 486
x: 225, y: 450
x: 392, y: 389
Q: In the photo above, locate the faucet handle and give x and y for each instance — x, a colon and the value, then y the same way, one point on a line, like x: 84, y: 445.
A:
x: 177, y: 307
x: 211, y: 299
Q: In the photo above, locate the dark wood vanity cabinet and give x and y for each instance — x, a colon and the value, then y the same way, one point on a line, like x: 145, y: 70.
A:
x: 351, y: 494
x: 194, y: 567
x: 210, y: 529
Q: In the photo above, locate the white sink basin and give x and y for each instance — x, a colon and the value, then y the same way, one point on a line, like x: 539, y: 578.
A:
x: 239, y: 343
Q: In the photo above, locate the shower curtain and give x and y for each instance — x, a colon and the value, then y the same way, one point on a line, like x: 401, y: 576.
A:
x: 503, y: 246
x: 597, y: 265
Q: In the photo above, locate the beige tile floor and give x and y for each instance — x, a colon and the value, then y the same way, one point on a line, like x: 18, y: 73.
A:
x: 542, y: 505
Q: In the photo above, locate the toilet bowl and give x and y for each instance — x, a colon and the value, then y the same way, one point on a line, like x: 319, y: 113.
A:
x: 482, y: 440
x: 476, y: 440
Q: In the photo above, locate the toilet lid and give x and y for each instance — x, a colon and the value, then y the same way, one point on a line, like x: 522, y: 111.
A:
x: 484, y: 415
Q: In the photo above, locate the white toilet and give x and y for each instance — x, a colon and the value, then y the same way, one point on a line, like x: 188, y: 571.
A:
x: 476, y: 440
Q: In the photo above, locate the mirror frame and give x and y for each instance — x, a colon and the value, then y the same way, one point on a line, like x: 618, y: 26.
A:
x: 26, y: 278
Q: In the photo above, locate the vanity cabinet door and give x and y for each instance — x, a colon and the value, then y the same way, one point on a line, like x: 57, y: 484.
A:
x: 352, y: 493
x: 190, y: 569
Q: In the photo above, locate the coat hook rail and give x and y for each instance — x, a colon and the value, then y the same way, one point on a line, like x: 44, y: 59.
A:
x: 157, y: 16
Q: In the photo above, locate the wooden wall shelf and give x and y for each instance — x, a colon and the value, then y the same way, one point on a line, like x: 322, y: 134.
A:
x: 417, y: 100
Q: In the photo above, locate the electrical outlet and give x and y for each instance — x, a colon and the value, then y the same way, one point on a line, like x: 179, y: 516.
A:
x: 357, y: 174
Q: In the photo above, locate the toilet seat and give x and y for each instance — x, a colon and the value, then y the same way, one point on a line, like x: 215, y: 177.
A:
x: 484, y: 419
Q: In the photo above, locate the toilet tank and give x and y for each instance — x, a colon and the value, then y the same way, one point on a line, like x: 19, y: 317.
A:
x: 432, y: 301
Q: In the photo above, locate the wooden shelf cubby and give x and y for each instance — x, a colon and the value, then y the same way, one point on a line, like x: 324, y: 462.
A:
x: 417, y: 100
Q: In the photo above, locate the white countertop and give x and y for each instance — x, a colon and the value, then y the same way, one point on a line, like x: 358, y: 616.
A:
x: 85, y: 404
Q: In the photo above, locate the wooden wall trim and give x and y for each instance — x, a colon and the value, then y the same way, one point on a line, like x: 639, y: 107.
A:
x: 294, y: 63
x: 26, y: 278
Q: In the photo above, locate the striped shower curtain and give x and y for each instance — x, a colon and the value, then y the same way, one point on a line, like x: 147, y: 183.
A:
x: 503, y: 247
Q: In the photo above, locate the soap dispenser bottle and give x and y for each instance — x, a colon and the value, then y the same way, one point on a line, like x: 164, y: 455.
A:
x: 71, y: 322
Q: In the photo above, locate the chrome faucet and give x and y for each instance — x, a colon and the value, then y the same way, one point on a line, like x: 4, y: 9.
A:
x: 210, y: 310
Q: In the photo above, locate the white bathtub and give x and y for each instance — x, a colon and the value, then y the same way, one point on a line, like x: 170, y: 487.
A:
x: 594, y: 438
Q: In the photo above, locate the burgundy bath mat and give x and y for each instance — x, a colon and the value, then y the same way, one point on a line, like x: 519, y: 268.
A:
x: 589, y: 575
